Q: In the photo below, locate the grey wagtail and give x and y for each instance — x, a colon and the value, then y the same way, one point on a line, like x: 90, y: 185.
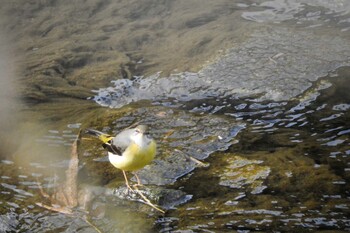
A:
x: 130, y: 150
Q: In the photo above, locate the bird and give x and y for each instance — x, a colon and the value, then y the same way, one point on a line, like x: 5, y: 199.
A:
x: 130, y: 150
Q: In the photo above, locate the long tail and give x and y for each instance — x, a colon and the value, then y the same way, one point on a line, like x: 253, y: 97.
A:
x: 106, y: 140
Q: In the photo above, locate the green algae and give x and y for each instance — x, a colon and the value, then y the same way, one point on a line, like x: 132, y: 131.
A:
x: 271, y: 170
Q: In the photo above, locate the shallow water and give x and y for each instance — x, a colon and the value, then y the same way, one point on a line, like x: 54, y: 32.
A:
x: 268, y: 117
x: 287, y: 168
x: 300, y: 152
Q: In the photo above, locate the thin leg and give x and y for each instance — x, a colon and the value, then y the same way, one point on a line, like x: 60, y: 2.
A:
x: 138, y: 180
x: 126, y: 181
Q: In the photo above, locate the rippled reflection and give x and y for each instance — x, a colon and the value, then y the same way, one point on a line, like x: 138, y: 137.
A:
x: 271, y: 135
x: 307, y: 13
x: 299, y: 148
x: 290, y: 169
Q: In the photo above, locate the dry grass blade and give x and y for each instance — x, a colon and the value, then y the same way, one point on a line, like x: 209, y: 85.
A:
x: 66, y: 194
x: 200, y: 163
x: 147, y: 201
x: 133, y: 125
x: 66, y: 197
x: 60, y: 209
x: 168, y: 134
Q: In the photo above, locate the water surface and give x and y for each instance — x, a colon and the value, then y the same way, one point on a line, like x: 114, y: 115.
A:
x: 256, y: 90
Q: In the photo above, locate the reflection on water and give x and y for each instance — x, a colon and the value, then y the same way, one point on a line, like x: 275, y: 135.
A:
x: 275, y: 56
x: 290, y: 169
x: 269, y: 119
x: 303, y: 149
x: 305, y: 13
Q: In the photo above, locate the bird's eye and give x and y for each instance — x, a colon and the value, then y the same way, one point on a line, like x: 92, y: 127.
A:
x: 137, y: 131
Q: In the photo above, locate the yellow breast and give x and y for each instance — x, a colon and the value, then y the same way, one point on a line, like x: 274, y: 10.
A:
x: 134, y: 157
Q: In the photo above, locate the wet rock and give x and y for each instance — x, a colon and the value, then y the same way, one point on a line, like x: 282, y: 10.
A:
x: 184, y: 139
x: 8, y: 222
x: 277, y: 12
x: 163, y: 197
x: 246, y: 173
x: 208, y: 135
x: 303, y: 191
x: 293, y: 168
x: 167, y: 170
x: 256, y: 67
x: 80, y: 43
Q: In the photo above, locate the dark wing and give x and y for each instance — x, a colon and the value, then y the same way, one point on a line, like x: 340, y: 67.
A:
x: 119, y: 143
x: 112, y: 148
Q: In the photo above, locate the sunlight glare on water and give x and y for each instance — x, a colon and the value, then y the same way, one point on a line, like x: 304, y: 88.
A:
x: 248, y: 101
x: 302, y: 160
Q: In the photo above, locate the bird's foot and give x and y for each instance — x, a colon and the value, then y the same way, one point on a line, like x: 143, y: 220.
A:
x: 137, y: 185
x: 129, y: 189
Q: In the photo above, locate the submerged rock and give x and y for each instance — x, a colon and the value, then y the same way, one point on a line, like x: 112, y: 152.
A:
x: 183, y: 138
x: 163, y: 197
x: 244, y: 173
x: 274, y: 64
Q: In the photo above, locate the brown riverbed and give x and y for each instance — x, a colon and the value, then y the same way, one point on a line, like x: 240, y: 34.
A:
x: 274, y: 147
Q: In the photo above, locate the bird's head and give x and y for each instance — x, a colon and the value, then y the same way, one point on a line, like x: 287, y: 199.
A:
x: 141, y: 129
x: 138, y: 134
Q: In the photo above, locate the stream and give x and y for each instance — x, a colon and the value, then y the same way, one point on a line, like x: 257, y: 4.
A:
x: 248, y: 102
